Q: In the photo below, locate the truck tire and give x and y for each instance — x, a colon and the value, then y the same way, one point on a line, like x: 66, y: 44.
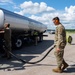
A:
x: 18, y: 43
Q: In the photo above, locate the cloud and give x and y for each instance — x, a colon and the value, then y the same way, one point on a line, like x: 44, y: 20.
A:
x: 67, y: 17
x: 44, y: 13
x: 5, y: 2
x: 70, y: 12
x: 28, y: 7
x: 38, y: 11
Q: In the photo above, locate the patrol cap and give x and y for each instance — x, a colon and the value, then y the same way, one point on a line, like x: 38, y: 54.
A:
x: 56, y: 18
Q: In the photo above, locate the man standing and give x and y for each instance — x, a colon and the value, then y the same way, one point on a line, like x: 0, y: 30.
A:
x: 60, y: 43
x: 7, y: 38
x: 35, y: 37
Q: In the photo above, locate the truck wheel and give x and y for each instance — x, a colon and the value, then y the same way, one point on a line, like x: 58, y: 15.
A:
x: 18, y: 43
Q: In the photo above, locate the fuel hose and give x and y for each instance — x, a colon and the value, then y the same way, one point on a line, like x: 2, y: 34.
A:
x: 25, y: 61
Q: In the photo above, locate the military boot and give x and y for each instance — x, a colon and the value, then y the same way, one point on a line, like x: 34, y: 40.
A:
x: 58, y: 70
x: 65, y: 65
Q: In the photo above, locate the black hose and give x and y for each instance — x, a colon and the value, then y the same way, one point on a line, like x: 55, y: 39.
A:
x: 24, y: 61
x: 41, y: 58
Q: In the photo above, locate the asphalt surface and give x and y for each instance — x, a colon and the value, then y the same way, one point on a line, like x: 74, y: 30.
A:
x: 33, y: 53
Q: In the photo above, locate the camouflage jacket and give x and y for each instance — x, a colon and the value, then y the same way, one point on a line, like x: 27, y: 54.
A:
x: 60, y: 36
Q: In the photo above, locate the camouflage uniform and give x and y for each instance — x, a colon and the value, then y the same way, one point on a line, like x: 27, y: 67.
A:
x: 7, y: 38
x: 60, y: 42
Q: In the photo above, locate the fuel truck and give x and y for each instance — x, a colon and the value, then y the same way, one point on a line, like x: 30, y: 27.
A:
x: 23, y: 28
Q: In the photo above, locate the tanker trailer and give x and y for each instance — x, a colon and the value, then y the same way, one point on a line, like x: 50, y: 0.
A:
x: 22, y: 27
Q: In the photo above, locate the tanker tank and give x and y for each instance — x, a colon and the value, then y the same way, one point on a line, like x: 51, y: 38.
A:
x: 19, y: 22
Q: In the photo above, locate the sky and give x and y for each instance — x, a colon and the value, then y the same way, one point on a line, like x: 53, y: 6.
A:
x: 44, y: 10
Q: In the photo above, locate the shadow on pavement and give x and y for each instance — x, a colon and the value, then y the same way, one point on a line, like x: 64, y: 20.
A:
x: 32, y: 65
x: 26, y: 53
x: 71, y: 69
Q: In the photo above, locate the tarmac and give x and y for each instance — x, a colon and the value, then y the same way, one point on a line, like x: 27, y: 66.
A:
x: 33, y: 53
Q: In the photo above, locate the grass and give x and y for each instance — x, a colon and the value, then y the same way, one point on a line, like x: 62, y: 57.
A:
x: 70, y: 33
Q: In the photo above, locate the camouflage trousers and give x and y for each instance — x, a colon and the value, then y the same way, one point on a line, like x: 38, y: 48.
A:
x: 59, y: 57
x: 7, y: 48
